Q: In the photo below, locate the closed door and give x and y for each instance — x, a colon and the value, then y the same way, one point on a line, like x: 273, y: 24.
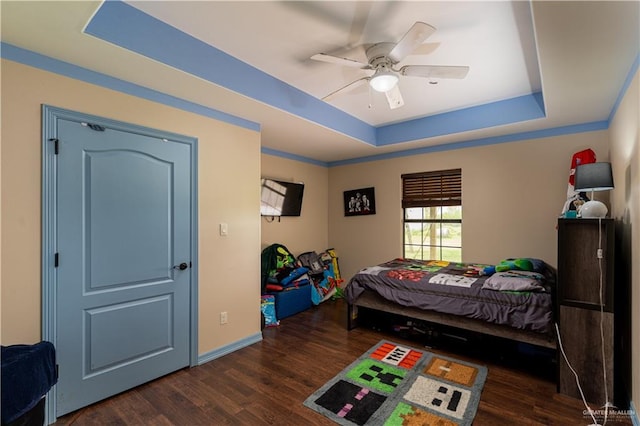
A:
x: 123, y: 235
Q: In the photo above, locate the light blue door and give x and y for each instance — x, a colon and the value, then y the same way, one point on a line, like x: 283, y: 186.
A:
x: 123, y: 230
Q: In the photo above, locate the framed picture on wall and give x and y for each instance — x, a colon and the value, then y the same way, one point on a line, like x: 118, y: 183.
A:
x: 360, y: 202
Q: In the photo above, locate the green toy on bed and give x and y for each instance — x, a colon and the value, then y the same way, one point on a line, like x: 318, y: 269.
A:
x: 520, y: 264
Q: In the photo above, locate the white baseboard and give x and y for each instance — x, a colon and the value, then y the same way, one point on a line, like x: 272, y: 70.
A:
x: 227, y: 349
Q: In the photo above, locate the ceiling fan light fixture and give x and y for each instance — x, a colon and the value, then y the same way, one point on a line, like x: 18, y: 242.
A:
x: 383, y: 80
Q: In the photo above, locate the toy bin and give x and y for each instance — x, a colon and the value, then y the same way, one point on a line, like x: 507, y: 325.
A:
x: 292, y: 300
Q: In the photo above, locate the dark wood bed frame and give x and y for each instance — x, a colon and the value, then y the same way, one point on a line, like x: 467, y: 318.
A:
x: 373, y: 301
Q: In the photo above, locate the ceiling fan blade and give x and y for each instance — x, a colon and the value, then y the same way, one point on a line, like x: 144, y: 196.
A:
x: 346, y: 88
x: 325, y: 14
x: 425, y: 49
x: 434, y: 71
x: 394, y: 97
x: 323, y: 57
x: 360, y: 18
x: 418, y: 33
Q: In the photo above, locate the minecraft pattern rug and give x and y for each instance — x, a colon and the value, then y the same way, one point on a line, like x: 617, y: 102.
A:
x: 394, y: 384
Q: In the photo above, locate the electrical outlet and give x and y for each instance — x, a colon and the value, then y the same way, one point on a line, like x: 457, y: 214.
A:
x: 224, y: 318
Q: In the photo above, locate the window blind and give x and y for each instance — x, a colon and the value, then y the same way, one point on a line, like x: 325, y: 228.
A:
x: 429, y: 189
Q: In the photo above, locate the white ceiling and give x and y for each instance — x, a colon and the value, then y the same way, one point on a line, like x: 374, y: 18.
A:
x: 577, y: 54
x: 280, y: 37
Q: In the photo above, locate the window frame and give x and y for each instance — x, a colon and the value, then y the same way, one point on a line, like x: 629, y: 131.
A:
x: 434, y: 189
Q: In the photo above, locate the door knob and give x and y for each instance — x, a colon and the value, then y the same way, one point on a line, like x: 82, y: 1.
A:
x: 181, y: 266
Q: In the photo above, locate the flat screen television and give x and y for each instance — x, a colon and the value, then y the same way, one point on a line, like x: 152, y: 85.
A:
x: 279, y: 198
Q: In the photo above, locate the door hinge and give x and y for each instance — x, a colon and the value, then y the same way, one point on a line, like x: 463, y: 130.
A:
x: 56, y: 144
x: 56, y: 260
x: 57, y: 371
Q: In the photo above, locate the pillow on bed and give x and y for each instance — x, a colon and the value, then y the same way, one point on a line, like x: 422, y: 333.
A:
x: 515, y: 281
x: 545, y: 269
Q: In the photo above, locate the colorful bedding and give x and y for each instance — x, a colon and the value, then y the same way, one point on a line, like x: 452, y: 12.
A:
x: 457, y: 288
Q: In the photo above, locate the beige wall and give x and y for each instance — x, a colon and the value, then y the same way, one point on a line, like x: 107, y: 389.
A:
x: 512, y: 196
x: 625, y: 203
x: 226, y: 280
x: 309, y: 231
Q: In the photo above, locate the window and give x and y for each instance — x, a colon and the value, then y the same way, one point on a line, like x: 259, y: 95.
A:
x: 432, y: 204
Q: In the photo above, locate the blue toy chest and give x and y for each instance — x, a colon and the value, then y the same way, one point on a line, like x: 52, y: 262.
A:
x: 291, y: 301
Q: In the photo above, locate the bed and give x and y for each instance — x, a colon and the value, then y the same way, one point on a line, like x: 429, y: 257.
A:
x: 513, y: 304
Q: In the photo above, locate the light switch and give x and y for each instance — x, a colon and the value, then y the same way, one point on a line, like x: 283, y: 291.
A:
x: 224, y: 229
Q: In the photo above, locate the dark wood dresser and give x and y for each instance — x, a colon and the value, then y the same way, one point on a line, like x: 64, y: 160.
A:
x: 585, y: 297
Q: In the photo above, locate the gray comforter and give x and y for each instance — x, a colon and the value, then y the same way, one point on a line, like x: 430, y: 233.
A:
x: 456, y: 288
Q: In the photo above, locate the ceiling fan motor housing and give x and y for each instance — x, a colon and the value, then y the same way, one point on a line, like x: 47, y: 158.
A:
x: 377, y: 55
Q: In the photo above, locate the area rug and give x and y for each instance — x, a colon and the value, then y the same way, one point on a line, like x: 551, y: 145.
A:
x: 393, y: 384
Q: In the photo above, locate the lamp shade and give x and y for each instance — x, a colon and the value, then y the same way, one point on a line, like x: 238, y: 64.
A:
x: 383, y: 80
x: 593, y: 177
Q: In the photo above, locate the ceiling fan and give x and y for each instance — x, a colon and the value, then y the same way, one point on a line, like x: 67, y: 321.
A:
x: 383, y: 57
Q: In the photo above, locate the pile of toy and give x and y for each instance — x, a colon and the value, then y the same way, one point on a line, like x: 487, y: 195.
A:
x: 291, y: 284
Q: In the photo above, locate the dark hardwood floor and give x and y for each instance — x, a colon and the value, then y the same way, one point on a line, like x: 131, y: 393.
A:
x: 266, y: 383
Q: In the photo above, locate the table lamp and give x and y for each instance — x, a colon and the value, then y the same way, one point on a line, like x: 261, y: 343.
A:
x: 593, y: 177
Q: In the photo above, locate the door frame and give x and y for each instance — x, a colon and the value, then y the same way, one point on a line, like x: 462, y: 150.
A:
x: 50, y: 116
